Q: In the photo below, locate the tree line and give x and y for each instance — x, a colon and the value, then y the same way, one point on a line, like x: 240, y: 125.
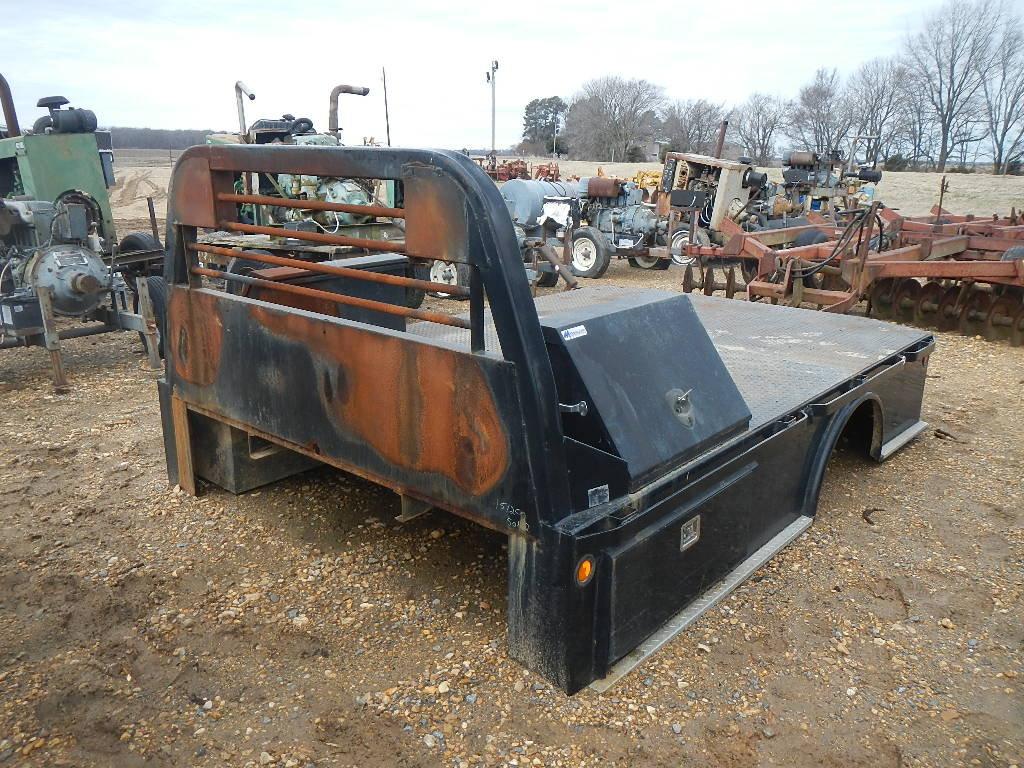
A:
x: 953, y: 97
x: 156, y: 138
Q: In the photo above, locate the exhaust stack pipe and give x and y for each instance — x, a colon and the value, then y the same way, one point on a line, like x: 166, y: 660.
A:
x: 332, y: 120
x: 10, y: 114
x: 240, y: 89
x: 720, y: 144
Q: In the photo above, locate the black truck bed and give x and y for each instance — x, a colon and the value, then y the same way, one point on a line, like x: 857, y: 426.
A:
x: 644, y: 451
x: 779, y: 357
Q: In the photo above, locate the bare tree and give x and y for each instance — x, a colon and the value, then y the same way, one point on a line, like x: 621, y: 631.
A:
x: 876, y: 102
x: 758, y: 123
x: 917, y: 138
x: 1002, y: 88
x: 611, y: 115
x: 821, y: 116
x: 948, y: 56
x: 692, y: 125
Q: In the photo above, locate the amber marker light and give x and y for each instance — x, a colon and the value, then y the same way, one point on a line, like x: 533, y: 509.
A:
x: 584, y: 570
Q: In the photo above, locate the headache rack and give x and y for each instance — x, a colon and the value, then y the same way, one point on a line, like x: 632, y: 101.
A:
x: 644, y: 451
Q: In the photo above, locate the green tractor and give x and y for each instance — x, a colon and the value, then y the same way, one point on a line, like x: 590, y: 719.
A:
x: 272, y: 224
x: 59, y: 254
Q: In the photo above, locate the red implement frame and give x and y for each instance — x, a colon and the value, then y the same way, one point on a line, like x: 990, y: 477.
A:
x: 942, y: 270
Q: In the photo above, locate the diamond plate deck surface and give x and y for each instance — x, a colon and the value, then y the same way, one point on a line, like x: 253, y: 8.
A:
x: 780, y: 357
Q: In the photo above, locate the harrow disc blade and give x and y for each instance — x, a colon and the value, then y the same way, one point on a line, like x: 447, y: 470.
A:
x: 905, y: 300
x: 688, y: 283
x: 971, y: 321
x: 882, y: 294
x: 927, y: 306
x: 999, y: 318
x: 709, y: 281
x: 946, y: 314
x: 1017, y: 329
x: 748, y: 268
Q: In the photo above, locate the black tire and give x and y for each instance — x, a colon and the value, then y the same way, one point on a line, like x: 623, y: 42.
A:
x: 547, y: 279
x: 648, y: 262
x: 139, y: 241
x: 158, y: 298
x: 240, y: 266
x: 1013, y: 254
x: 537, y: 261
x: 810, y: 237
x: 452, y: 272
x: 591, y: 253
x: 414, y: 296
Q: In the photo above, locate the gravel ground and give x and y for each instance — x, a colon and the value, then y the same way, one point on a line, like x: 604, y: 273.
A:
x: 301, y: 625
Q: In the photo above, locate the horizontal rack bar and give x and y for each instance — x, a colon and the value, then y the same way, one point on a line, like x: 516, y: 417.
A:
x: 313, y: 205
x: 330, y: 269
x: 397, y: 246
x: 336, y: 298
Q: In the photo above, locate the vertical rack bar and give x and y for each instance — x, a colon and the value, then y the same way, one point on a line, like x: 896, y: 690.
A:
x: 476, y: 311
x: 152, y: 221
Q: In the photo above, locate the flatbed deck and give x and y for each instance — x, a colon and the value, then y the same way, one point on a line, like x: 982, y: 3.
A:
x: 781, y: 358
x: 643, y: 451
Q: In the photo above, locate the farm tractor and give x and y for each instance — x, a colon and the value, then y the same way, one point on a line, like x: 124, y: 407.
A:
x: 291, y: 131
x: 59, y: 255
x: 337, y: 214
x: 645, y: 220
x: 705, y: 200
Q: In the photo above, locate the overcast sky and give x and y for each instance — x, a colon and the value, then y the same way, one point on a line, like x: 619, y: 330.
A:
x: 164, y: 64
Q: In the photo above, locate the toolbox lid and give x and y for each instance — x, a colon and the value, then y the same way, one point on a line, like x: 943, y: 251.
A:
x: 656, y: 388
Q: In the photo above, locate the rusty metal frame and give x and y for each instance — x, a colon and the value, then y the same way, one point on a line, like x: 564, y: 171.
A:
x: 452, y: 212
x: 964, y: 248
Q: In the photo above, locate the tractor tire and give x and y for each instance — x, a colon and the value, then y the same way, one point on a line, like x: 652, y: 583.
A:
x: 137, y: 241
x: 534, y: 260
x: 451, y: 272
x: 1013, y: 254
x: 414, y: 296
x: 810, y: 237
x: 591, y: 253
x: 547, y: 279
x: 648, y: 262
x: 244, y: 267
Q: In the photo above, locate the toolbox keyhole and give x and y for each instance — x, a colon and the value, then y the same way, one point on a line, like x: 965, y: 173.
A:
x: 681, y: 404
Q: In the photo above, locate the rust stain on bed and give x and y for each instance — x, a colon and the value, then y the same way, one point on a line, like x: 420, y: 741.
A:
x: 194, y: 335
x: 425, y: 408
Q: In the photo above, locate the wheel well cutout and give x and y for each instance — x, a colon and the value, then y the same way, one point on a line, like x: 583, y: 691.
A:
x: 862, y: 432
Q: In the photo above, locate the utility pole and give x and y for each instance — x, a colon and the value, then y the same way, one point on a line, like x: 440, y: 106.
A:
x: 387, y: 119
x: 490, y: 79
x: 554, y: 142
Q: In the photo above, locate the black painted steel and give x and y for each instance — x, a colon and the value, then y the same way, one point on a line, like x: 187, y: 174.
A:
x: 660, y: 438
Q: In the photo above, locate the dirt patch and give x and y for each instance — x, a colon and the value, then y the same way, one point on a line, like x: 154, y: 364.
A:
x: 301, y: 625
x: 128, y: 196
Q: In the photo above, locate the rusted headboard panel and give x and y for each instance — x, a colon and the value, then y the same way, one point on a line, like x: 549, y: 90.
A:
x: 467, y: 430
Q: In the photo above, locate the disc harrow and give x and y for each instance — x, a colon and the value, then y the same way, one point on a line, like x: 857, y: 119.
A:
x: 947, y: 272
